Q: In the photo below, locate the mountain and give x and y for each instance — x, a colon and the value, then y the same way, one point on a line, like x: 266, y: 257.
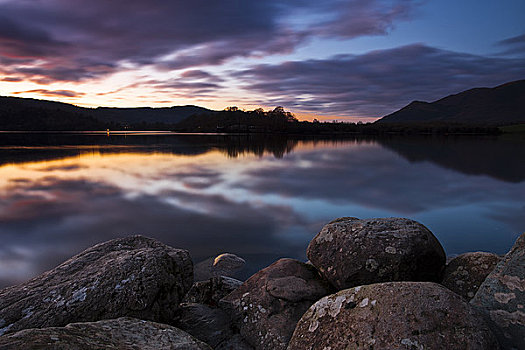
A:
x: 31, y: 114
x: 168, y: 115
x: 501, y: 105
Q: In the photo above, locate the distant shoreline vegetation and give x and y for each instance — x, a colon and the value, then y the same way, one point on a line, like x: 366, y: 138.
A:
x: 279, y: 121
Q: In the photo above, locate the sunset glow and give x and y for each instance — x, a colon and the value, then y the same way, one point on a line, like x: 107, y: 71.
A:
x: 345, y: 60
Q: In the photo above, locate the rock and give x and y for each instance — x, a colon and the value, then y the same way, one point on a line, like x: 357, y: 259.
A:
x: 268, y: 305
x: 236, y: 342
x: 134, y: 276
x: 225, y: 264
x: 465, y: 273
x: 121, y: 333
x: 211, y: 325
x: 501, y: 298
x: 211, y: 291
x: 349, y: 252
x: 393, y: 315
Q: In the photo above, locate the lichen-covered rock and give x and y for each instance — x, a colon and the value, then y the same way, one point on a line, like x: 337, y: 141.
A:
x: 501, y: 298
x: 211, y: 325
x: 117, y: 334
x: 225, y: 264
x: 209, y: 292
x: 465, y: 273
x: 349, y: 252
x: 268, y: 305
x: 393, y: 315
x: 134, y: 276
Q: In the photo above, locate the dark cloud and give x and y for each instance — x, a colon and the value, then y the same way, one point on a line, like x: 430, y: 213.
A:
x: 198, y: 74
x: 12, y: 79
x: 72, y: 40
x: 513, y: 46
x: 45, y: 92
x: 378, y: 82
x: 350, y: 19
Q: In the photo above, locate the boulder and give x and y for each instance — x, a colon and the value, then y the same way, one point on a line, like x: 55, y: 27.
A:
x: 225, y: 264
x: 211, y: 325
x: 117, y: 334
x: 268, y: 305
x: 501, y: 298
x: 393, y: 315
x: 349, y: 252
x: 134, y: 276
x: 465, y: 273
x: 211, y: 291
x: 236, y: 342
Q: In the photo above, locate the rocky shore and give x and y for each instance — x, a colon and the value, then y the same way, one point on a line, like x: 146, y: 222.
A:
x: 368, y: 284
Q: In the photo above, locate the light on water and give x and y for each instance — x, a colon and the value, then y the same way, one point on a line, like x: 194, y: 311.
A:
x: 258, y: 197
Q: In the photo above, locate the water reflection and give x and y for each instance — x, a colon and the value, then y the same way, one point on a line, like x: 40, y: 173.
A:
x: 259, y: 197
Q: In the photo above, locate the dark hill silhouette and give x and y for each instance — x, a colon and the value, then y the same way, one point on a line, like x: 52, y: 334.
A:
x: 168, y: 115
x: 27, y: 114
x: 501, y: 105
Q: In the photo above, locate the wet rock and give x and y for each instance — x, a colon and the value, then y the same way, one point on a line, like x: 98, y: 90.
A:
x: 501, y: 298
x: 211, y: 291
x: 268, y: 305
x: 117, y: 334
x: 225, y: 264
x: 465, y: 273
x: 134, y: 276
x: 349, y: 252
x: 211, y: 325
x: 392, y: 315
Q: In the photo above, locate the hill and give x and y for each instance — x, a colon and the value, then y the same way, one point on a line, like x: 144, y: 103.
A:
x: 501, y: 105
x: 30, y: 114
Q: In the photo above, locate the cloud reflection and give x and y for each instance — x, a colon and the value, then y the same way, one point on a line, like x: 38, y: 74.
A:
x: 261, y: 207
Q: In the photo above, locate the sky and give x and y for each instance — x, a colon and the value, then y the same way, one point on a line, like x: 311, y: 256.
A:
x: 333, y: 59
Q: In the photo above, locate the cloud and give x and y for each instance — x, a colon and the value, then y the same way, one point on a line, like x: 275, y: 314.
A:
x: 53, y: 218
x: 12, y: 79
x: 74, y: 40
x: 513, y: 46
x: 198, y: 74
x: 376, y: 83
x: 45, y: 92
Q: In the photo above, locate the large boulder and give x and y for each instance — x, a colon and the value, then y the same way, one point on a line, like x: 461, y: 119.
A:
x: 211, y: 325
x: 134, y: 276
x: 465, y: 273
x: 225, y: 264
x: 118, y: 334
x: 209, y: 292
x: 501, y: 298
x: 393, y: 315
x: 268, y: 305
x: 350, y: 252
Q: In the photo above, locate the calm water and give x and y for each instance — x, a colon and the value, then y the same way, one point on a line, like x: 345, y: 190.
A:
x: 259, y: 197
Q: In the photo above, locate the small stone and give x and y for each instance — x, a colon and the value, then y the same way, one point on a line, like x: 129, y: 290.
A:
x: 465, y: 273
x: 226, y: 264
x: 209, y: 292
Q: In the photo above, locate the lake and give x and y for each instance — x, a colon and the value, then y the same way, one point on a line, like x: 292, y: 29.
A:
x: 261, y: 197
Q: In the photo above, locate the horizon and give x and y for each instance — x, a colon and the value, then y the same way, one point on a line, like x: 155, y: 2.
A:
x: 336, y: 60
